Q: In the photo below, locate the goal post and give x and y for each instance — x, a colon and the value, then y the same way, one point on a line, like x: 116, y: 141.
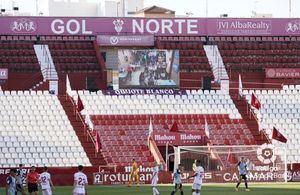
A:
x: 265, y: 163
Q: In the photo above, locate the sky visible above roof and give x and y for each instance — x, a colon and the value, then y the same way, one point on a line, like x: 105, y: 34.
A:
x: 195, y: 8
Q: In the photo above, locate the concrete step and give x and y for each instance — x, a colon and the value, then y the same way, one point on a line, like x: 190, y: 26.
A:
x: 87, y: 144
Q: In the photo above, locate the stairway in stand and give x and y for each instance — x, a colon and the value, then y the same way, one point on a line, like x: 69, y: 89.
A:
x: 86, y: 143
x: 241, y: 105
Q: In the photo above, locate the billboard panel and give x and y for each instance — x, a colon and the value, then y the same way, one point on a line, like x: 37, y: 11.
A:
x: 148, y: 68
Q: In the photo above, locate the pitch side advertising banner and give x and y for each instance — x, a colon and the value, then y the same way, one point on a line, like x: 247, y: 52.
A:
x: 144, y: 92
x: 178, y: 139
x: 3, y: 73
x: 130, y: 40
x: 122, y: 178
x: 145, y: 26
x: 282, y: 73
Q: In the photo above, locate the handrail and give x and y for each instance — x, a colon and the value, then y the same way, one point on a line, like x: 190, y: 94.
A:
x: 216, y: 153
x: 48, y: 61
x: 76, y: 111
x: 34, y: 78
x: 157, y: 154
x: 108, y: 166
x: 87, y: 133
x: 245, y: 82
x: 252, y: 113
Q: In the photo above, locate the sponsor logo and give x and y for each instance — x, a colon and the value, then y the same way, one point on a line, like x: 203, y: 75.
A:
x: 293, y: 27
x: 256, y: 176
x: 3, y: 73
x: 119, y: 178
x: 118, y: 23
x: 141, y: 168
x: 144, y: 92
x: 289, y: 176
x: 23, y: 25
x: 114, y: 40
x: 283, y: 73
x: 271, y: 73
x: 244, y: 27
x: 293, y: 176
x: 265, y: 154
x: 164, y: 137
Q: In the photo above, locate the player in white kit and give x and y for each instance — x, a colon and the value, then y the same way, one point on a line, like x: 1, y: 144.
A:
x: 154, y: 179
x: 46, y: 182
x: 199, y: 173
x: 80, y: 182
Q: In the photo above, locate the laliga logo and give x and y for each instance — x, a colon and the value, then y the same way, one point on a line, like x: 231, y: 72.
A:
x: 293, y: 26
x: 113, y: 40
x: 289, y: 176
x: 118, y: 25
x: 23, y: 25
x: 265, y: 154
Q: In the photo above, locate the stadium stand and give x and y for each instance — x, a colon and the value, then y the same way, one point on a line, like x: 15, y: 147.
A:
x: 20, y: 60
x: 251, y: 59
x: 80, y: 60
x: 18, y: 56
x: 39, y: 128
x: 280, y: 109
x: 195, y: 102
x: 74, y: 56
x: 124, y: 120
x: 35, y: 130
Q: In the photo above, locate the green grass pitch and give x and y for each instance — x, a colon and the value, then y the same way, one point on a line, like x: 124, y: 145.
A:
x: 207, y: 189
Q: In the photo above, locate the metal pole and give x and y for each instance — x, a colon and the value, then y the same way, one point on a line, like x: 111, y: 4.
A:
x: 179, y: 155
x: 124, y: 8
x: 167, y: 157
x: 290, y: 8
x: 285, y: 164
x: 206, y: 9
x: 36, y: 7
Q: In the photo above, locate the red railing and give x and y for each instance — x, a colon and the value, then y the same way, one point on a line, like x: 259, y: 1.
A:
x: 251, y: 114
x: 87, y: 131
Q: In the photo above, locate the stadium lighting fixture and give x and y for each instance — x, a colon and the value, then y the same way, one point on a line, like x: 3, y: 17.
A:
x: 206, y: 8
x: 290, y: 8
x: 118, y: 3
x: 37, y: 7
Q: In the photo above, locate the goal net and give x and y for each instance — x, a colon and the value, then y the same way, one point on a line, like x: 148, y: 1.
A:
x: 265, y: 163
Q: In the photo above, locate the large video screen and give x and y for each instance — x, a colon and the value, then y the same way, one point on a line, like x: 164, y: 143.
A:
x: 148, y: 68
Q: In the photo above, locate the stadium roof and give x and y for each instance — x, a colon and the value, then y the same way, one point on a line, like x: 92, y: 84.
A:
x: 154, y: 10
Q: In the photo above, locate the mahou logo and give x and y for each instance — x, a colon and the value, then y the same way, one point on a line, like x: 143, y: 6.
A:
x: 293, y: 27
x: 23, y: 25
x: 118, y: 25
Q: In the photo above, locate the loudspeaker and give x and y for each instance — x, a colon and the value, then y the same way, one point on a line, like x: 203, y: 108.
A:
x: 91, y: 84
x: 206, y: 83
x: 103, y: 54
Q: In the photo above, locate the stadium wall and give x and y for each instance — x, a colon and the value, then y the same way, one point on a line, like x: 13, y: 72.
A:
x: 159, y: 26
